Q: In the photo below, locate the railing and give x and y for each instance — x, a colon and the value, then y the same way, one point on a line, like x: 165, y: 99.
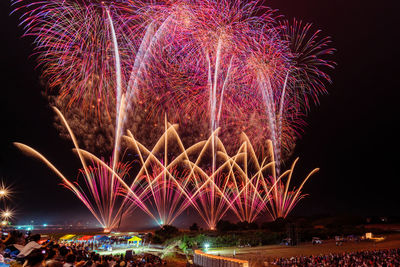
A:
x: 202, y: 259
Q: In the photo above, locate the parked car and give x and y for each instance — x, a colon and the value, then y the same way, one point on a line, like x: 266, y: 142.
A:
x: 339, y: 240
x: 316, y: 240
x: 286, y: 242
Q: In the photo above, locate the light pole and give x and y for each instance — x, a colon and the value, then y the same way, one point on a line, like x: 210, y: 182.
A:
x: 4, y: 194
x: 6, y: 214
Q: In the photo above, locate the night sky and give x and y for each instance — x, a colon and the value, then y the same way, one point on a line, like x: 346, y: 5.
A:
x: 352, y: 135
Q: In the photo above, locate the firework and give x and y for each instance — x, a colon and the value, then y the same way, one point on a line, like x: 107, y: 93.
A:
x: 102, y: 187
x: 166, y: 185
x: 218, y: 68
x: 74, y: 48
x: 239, y: 183
x: 219, y: 60
x: 94, y: 192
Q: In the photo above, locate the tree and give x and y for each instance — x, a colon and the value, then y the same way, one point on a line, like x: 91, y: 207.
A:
x: 166, y: 232
x: 247, y: 226
x: 194, y: 227
x: 279, y: 225
x: 223, y: 226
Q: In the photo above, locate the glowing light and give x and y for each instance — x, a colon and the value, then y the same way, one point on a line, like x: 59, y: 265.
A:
x: 242, y: 73
x: 232, y: 64
x: 165, y: 188
x: 6, y: 214
x: 5, y: 191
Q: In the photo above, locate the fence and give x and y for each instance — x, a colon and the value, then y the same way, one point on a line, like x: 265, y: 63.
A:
x: 202, y: 259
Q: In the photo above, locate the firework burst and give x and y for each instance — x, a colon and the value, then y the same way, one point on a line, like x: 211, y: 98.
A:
x: 220, y: 67
x: 219, y: 60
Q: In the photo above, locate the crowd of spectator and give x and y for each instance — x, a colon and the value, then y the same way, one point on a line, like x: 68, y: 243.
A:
x: 374, y: 258
x: 20, y: 250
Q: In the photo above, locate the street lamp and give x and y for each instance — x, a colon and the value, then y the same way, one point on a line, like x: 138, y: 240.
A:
x: 3, y: 193
x: 6, y: 215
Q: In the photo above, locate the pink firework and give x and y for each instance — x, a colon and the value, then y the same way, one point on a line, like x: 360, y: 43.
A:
x: 102, y: 194
x: 167, y: 192
x: 74, y: 48
x: 227, y: 67
x: 223, y: 61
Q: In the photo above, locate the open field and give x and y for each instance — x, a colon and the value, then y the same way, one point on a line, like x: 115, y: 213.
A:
x: 258, y: 255
x: 171, y: 261
x: 266, y: 253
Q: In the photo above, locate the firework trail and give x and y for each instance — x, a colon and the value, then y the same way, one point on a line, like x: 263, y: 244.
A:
x: 104, y: 185
x: 166, y: 185
x: 217, y: 62
x: 74, y: 50
x: 220, y: 60
x: 163, y: 188
x: 100, y: 184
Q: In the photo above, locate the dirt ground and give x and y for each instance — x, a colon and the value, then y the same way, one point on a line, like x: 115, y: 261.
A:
x: 176, y: 262
x: 258, y: 255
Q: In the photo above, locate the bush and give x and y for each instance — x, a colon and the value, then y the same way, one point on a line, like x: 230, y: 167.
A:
x: 246, y: 226
x: 224, y: 226
x: 194, y: 227
x: 279, y: 225
x: 166, y: 232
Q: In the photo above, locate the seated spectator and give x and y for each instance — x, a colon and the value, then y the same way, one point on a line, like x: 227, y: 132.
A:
x: 69, y: 260
x: 52, y: 259
x: 35, y: 258
x: 361, y: 258
x: 28, y: 248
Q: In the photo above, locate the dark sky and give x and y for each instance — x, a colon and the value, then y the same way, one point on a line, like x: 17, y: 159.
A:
x: 352, y: 135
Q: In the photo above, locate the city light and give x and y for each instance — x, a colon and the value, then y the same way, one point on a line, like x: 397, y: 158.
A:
x: 6, y: 214
x: 3, y: 192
